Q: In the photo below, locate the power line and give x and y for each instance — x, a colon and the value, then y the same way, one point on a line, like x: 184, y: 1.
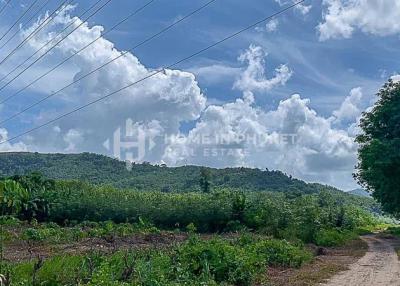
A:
x: 42, y: 56
x: 27, y: 22
x: 20, y: 17
x: 5, y: 6
x: 50, y: 41
x: 154, y: 73
x: 77, y: 52
x: 45, y: 22
x: 103, y: 65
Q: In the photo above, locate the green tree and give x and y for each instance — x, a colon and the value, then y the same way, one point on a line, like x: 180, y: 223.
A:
x: 378, y: 169
x: 205, y: 177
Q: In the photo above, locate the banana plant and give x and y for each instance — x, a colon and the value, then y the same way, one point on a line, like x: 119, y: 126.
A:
x: 13, y: 197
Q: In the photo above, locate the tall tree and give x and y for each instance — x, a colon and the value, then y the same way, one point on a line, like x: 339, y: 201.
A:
x: 205, y: 177
x: 378, y: 169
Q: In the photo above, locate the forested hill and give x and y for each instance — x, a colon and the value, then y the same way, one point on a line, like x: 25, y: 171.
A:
x: 99, y: 169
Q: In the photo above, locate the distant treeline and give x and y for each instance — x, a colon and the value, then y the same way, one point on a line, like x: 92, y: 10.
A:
x: 102, y: 170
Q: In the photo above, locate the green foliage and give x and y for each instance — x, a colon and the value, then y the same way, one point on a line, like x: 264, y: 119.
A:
x: 218, y: 260
x: 79, y: 210
x: 394, y: 230
x: 300, y: 217
x: 334, y: 237
x: 27, y: 197
x: 122, y: 212
x: 53, y: 233
x: 79, y: 201
x: 205, y: 177
x: 13, y: 197
x: 379, y: 153
x: 281, y: 253
x: 196, y: 262
x: 102, y: 170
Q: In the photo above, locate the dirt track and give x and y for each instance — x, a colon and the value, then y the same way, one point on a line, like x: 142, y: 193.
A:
x: 379, y: 267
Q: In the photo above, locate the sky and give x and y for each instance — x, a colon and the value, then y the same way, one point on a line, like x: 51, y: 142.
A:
x: 287, y: 94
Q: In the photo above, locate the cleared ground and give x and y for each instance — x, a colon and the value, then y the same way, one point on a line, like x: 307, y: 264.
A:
x: 380, y: 265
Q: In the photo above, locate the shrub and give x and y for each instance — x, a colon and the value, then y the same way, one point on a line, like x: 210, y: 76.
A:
x: 281, y: 253
x: 334, y: 237
x: 218, y: 260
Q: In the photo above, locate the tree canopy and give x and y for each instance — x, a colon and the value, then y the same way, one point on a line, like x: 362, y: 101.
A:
x: 102, y: 170
x: 378, y: 169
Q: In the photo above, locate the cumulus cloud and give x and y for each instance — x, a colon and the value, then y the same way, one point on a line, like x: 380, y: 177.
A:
x: 350, y: 108
x: 292, y: 138
x: 9, y: 146
x: 270, y: 26
x: 72, y: 138
x: 253, y: 77
x: 168, y: 98
x: 342, y: 17
x: 302, y: 8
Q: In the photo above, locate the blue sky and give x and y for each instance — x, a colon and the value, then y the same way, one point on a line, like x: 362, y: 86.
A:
x: 334, y: 54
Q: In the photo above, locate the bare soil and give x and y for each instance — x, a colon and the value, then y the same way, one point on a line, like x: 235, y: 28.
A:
x: 379, y: 267
x: 20, y: 250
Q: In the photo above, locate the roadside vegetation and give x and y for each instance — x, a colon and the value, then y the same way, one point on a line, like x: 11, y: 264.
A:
x: 75, y: 233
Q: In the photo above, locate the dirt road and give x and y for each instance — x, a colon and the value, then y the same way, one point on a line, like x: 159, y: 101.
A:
x: 379, y: 267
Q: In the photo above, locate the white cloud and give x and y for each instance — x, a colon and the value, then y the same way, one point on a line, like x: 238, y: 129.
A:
x: 270, y: 26
x: 253, y: 77
x: 215, y: 73
x: 395, y: 77
x: 9, y: 146
x: 73, y: 138
x: 321, y: 152
x: 342, y: 17
x: 302, y: 8
x: 168, y: 98
x: 350, y: 108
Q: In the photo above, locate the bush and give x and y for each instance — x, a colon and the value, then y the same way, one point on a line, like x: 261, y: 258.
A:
x: 218, y: 260
x: 281, y: 253
x: 195, y: 262
x: 394, y: 231
x: 334, y: 237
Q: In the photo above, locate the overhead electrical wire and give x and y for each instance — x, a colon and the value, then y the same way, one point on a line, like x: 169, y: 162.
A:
x: 73, y: 21
x: 103, y: 65
x: 55, y: 45
x: 44, y: 23
x: 26, y: 22
x: 19, y: 18
x: 5, y: 6
x: 77, y: 52
x: 161, y: 70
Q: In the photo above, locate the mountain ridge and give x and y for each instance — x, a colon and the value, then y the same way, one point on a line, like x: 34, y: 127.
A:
x: 100, y: 169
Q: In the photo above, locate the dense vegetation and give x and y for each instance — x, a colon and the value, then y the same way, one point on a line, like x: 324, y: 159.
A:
x: 379, y: 152
x: 220, y: 236
x: 216, y: 261
x: 98, y: 169
x: 32, y: 197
